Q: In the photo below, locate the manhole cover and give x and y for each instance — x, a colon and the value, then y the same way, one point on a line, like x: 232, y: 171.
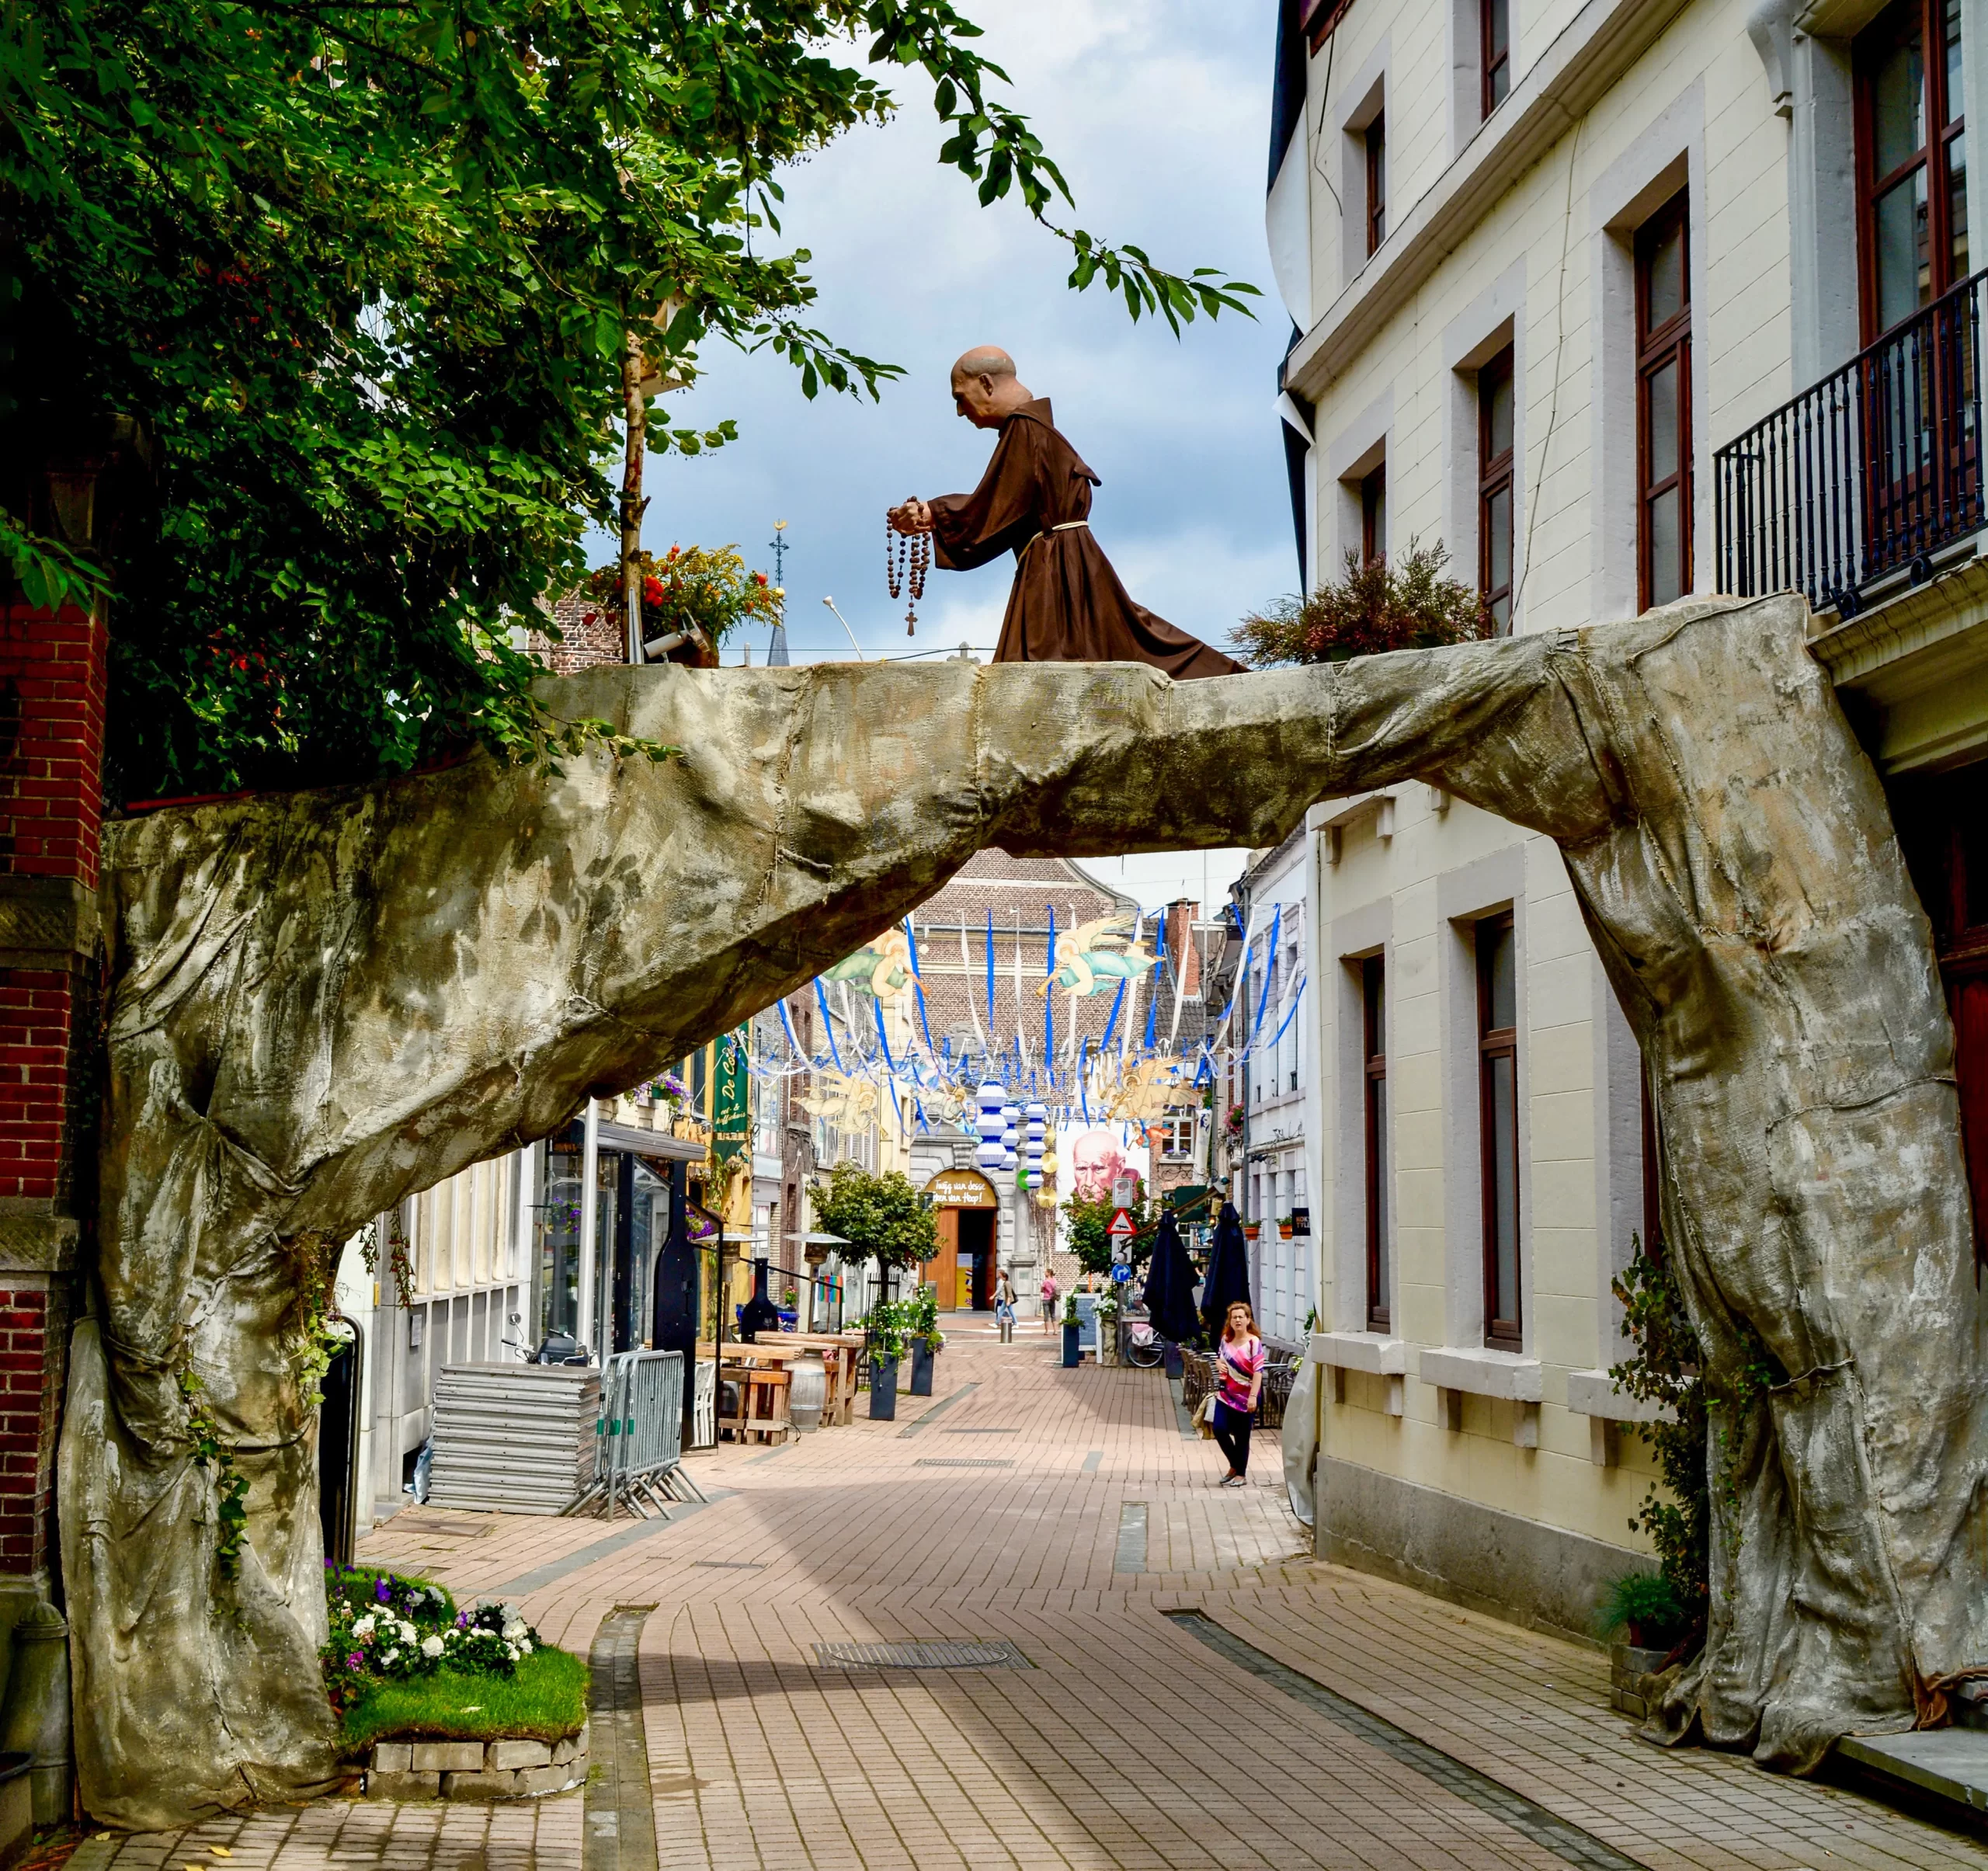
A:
x: 938, y: 1653
x: 963, y: 1462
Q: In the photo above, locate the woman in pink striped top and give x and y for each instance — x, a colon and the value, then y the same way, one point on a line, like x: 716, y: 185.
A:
x: 1240, y: 1362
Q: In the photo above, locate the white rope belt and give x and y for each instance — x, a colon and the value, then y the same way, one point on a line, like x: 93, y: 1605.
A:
x: 1067, y: 526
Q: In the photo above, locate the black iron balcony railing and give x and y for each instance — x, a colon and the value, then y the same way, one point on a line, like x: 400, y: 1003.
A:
x: 1870, y: 471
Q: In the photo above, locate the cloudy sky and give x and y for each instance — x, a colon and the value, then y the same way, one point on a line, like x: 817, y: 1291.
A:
x: 1159, y: 116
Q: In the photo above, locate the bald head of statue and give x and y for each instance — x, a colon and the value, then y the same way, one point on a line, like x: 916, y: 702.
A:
x: 985, y: 390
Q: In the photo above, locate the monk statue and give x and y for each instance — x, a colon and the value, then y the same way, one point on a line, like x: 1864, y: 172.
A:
x: 1067, y: 605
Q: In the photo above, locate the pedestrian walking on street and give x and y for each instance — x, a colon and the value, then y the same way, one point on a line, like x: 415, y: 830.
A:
x: 1241, y: 1357
x: 1048, y: 1304
x: 1004, y: 1304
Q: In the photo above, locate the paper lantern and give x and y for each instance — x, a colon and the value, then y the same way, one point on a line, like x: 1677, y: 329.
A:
x: 1011, y: 1136
x: 988, y: 1124
x: 1038, y: 1125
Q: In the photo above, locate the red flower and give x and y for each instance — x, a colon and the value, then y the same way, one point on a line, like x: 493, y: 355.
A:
x: 759, y: 578
x: 651, y: 591
x: 674, y: 551
x: 589, y: 617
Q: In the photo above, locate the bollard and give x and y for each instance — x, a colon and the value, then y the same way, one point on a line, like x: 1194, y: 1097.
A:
x: 37, y: 1714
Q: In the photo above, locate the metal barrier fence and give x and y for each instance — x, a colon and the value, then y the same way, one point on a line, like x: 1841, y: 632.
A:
x: 641, y: 1430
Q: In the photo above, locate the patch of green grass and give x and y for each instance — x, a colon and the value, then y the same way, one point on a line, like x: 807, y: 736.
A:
x: 545, y: 1700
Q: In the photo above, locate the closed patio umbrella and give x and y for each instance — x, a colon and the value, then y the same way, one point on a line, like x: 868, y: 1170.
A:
x: 1170, y: 1285
x: 1228, y: 1272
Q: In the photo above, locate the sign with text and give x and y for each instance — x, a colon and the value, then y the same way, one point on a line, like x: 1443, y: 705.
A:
x: 962, y: 1189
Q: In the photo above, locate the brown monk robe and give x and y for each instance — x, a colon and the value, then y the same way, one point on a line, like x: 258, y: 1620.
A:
x: 1067, y: 605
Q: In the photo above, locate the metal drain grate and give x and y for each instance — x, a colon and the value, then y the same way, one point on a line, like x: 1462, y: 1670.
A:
x: 969, y: 1431
x: 938, y: 1653
x: 733, y: 1565
x: 963, y: 1462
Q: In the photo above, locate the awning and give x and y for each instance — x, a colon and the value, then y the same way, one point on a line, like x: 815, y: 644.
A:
x: 658, y: 1143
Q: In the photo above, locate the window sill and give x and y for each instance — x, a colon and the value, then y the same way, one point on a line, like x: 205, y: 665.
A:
x: 1594, y: 1394
x: 1482, y: 1373
x: 1373, y: 1352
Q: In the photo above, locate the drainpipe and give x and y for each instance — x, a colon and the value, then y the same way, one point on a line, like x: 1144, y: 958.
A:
x: 589, y: 1217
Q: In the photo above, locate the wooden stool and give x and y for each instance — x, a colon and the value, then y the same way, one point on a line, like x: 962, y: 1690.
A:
x: 766, y: 1408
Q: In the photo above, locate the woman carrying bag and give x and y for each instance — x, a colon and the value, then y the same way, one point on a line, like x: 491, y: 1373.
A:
x: 1239, y: 1361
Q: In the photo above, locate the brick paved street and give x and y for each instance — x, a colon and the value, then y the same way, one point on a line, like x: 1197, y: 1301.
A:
x: 1066, y: 1512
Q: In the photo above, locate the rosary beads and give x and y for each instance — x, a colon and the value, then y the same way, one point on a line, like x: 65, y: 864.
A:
x: 906, y: 554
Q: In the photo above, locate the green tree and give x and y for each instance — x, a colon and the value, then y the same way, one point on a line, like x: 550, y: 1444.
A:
x: 880, y: 1216
x: 1086, y: 1220
x: 383, y: 280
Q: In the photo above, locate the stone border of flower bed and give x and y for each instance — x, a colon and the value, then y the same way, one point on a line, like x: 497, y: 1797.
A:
x: 415, y: 1768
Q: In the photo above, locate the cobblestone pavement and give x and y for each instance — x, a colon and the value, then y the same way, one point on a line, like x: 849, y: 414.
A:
x: 1192, y: 1689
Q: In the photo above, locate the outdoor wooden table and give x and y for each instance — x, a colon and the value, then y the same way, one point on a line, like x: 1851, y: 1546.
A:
x: 779, y: 1350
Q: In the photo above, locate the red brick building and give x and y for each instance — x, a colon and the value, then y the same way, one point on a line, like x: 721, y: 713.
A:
x: 52, y: 689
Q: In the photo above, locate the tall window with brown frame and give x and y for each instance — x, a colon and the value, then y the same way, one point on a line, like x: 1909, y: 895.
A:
x: 1377, y: 182
x: 1373, y: 515
x: 1664, y: 406
x: 1373, y: 995
x: 1494, y: 489
x: 1498, y: 1128
x: 1942, y: 820
x: 1494, y: 20
x: 1911, y: 160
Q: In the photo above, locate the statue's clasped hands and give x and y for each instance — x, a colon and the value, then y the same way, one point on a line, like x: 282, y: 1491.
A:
x: 913, y: 516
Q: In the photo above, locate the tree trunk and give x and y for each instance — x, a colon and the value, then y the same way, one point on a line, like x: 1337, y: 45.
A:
x: 634, y: 418
x: 320, y: 1002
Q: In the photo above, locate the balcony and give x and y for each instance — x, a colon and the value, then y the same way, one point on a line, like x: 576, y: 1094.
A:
x: 1866, y: 476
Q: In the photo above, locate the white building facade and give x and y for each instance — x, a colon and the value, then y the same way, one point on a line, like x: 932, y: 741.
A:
x: 1554, y: 265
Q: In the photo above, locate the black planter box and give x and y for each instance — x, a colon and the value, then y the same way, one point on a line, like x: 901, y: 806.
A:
x: 922, y: 1358
x: 883, y: 1391
x: 1073, y: 1339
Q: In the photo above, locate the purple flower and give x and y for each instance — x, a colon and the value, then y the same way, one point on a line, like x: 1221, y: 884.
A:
x: 381, y: 1591
x: 354, y: 1660
x: 462, y: 1619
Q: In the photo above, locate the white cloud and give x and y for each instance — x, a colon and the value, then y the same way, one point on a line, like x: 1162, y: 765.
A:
x: 1159, y: 116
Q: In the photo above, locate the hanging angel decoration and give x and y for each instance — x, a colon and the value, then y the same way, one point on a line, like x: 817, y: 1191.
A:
x: 1098, y: 955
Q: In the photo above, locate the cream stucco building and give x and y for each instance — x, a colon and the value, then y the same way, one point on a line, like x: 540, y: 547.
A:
x: 1620, y: 301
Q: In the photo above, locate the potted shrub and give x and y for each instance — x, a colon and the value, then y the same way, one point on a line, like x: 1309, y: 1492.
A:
x: 1251, y: 1229
x: 1107, y: 1326
x: 886, y: 1327
x: 1072, y: 1335
x: 1284, y: 1224
x: 1644, y: 1616
x: 926, y: 1339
